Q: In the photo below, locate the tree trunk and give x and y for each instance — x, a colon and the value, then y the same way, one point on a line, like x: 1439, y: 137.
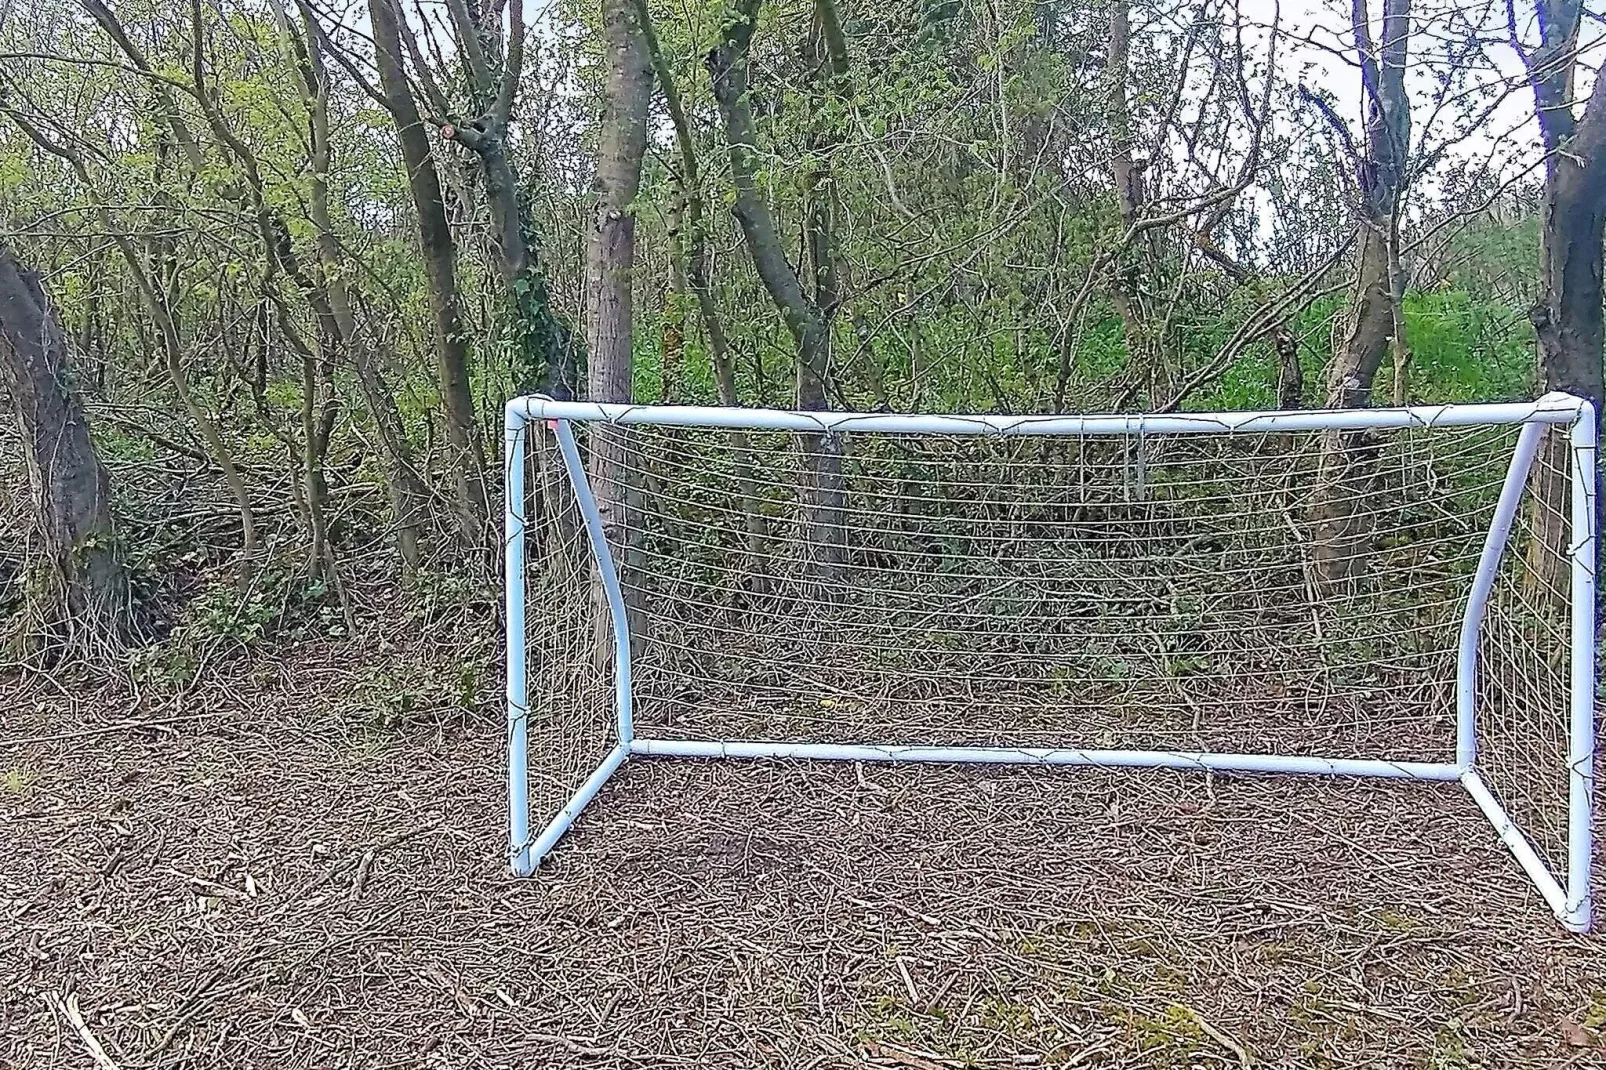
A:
x: 610, y: 256
x: 1290, y: 375
x: 319, y: 399
x: 825, y: 499
x: 546, y: 354
x: 822, y: 493
x: 160, y: 308
x: 318, y: 413
x: 1127, y: 175
x: 160, y: 295
x: 408, y: 495
x: 89, y: 598
x: 1567, y: 317
x: 672, y: 329
x: 440, y: 266
x: 1348, y: 458
x: 1568, y: 325
x: 688, y: 245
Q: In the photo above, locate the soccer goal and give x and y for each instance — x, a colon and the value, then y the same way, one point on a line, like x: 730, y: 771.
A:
x: 1404, y: 593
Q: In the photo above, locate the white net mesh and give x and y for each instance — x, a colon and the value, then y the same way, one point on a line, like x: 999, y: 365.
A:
x: 571, y: 710
x: 1524, y: 662
x: 1146, y: 591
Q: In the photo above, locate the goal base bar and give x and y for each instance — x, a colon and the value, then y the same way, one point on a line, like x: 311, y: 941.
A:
x: 1115, y: 759
x: 1575, y: 916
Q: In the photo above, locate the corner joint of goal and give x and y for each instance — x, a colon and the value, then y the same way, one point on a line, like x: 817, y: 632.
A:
x: 1572, y: 907
x: 524, y: 857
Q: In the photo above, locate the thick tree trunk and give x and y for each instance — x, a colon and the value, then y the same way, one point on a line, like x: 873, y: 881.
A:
x: 1567, y: 318
x: 1354, y: 369
x: 610, y: 256
x: 89, y: 597
x: 1348, y: 458
x: 1568, y: 324
x: 440, y: 266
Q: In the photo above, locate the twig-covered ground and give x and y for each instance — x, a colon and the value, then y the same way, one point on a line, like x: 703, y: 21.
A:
x: 269, y: 873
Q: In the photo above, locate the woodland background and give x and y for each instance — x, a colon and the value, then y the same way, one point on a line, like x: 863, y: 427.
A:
x: 270, y: 270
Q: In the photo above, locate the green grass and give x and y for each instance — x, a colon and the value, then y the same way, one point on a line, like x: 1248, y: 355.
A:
x: 18, y: 781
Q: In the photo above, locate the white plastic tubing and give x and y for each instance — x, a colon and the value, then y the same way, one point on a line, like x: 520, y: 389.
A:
x: 1570, y: 900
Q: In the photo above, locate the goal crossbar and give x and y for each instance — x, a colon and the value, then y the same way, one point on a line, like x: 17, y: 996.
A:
x: 1568, y: 896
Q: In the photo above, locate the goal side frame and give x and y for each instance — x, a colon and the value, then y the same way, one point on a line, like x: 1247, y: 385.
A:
x: 1568, y: 897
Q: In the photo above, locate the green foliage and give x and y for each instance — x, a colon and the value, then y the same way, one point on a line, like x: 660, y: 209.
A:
x: 281, y: 603
x: 18, y: 781
x: 277, y: 599
x: 388, y: 701
x: 1463, y: 349
x: 965, y: 160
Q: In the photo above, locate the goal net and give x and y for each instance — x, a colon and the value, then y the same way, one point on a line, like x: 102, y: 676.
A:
x: 1390, y: 593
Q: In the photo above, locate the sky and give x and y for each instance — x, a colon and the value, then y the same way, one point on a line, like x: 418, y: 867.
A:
x: 1510, y: 133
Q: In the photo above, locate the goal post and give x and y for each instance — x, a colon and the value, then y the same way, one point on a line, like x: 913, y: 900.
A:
x: 1173, y: 591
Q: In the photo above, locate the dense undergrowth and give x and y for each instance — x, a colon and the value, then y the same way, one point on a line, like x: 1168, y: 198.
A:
x: 176, y: 524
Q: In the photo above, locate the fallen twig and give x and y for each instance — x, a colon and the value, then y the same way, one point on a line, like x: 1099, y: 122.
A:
x: 1220, y: 1038
x: 572, y: 1046
x: 907, y: 1058
x: 192, y: 1003
x: 211, y: 887
x: 303, y: 893
x: 68, y: 1009
x: 129, y: 725
x: 361, y: 879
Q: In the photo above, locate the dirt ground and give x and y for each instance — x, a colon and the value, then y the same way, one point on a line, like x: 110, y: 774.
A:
x: 261, y: 874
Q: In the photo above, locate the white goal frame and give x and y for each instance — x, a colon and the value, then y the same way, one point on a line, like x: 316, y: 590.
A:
x: 1568, y: 896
